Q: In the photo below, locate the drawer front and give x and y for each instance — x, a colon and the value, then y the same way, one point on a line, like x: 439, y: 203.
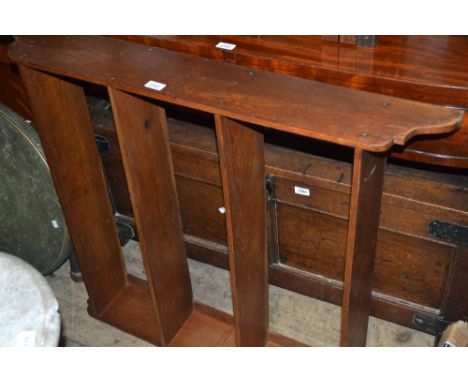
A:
x: 399, y: 214
x: 196, y: 168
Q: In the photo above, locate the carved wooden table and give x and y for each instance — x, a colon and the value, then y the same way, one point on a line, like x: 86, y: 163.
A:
x: 243, y: 102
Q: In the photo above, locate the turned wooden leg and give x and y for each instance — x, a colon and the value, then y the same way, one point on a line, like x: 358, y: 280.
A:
x: 366, y: 196
x: 143, y: 136
x: 243, y: 176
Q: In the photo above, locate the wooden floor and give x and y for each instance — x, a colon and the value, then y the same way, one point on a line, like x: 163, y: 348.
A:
x: 210, y: 327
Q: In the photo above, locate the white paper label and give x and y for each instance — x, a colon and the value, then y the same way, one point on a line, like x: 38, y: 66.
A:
x: 301, y: 191
x: 222, y: 210
x: 54, y: 223
x: 155, y: 85
x: 225, y: 45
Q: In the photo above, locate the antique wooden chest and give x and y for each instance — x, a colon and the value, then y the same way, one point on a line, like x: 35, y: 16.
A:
x: 419, y: 278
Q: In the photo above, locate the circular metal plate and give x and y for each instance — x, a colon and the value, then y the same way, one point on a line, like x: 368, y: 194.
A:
x: 32, y: 225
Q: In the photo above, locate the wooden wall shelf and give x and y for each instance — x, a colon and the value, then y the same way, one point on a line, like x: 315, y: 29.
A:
x: 243, y: 103
x: 396, y: 66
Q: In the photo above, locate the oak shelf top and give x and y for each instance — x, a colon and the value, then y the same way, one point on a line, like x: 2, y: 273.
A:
x: 307, y: 108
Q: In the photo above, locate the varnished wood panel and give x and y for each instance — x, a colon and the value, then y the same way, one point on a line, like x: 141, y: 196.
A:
x: 62, y: 118
x: 331, y: 38
x: 348, y: 39
x: 446, y: 150
x: 367, y: 121
x: 457, y: 299
x: 410, y: 268
x: 329, y: 197
x: 321, y: 288
x: 397, y: 66
x: 115, y: 177
x: 199, y: 206
x: 203, y: 329
x: 210, y: 254
x: 406, y: 268
x: 144, y: 141
x: 12, y: 93
x: 132, y: 310
x: 311, y: 241
x: 243, y: 174
x: 211, y: 327
x: 366, y: 194
x: 408, y: 205
x: 188, y: 165
x: 430, y: 190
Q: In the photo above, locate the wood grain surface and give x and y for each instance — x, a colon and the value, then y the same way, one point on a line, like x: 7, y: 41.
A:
x: 238, y: 97
x: 242, y: 163
x: 144, y: 143
x: 68, y: 141
x: 12, y: 92
x: 310, y: 109
x: 397, y: 63
x: 361, y: 244
x: 412, y: 271
x: 397, y: 66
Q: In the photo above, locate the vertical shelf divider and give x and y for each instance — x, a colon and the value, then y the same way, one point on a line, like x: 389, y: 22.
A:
x: 144, y: 141
x: 62, y: 118
x: 364, y: 213
x: 242, y: 164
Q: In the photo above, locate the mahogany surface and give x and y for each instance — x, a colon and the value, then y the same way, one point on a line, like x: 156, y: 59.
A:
x: 397, y: 66
x: 396, y: 59
x: 431, y: 69
x: 413, y: 272
x: 366, y: 122
x: 211, y: 327
x: 132, y: 311
x: 144, y: 143
x: 12, y: 92
x: 458, y: 298
x: 243, y: 173
x: 84, y: 199
x: 364, y: 214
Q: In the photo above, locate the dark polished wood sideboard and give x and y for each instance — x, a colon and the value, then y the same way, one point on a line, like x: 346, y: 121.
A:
x: 243, y: 103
